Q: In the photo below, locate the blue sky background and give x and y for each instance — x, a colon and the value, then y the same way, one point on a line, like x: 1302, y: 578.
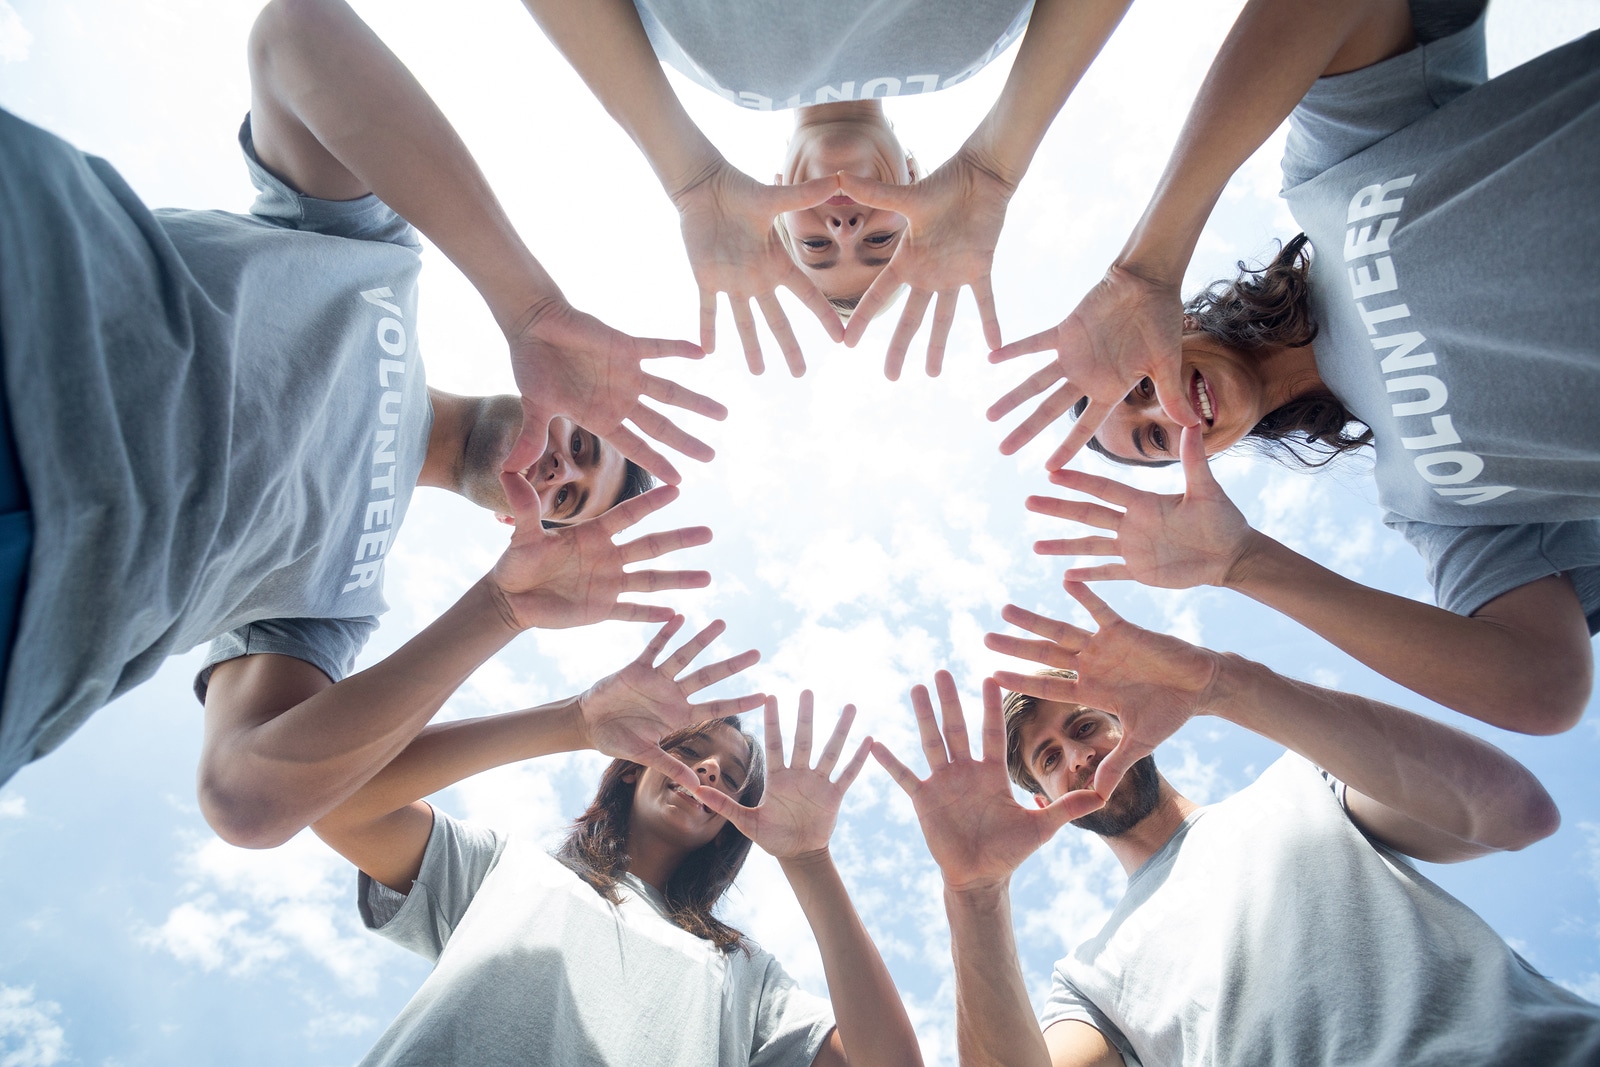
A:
x: 867, y: 534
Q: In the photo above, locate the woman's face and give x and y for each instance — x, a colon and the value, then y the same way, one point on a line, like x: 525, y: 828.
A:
x: 1225, y: 386
x: 662, y: 807
x: 842, y: 245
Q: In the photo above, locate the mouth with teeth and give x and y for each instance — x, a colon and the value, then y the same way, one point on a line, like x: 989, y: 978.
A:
x: 1200, y: 397
x: 674, y: 787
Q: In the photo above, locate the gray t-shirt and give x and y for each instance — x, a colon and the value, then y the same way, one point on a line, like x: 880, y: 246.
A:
x: 531, y: 965
x: 1457, y: 229
x: 783, y: 55
x: 1271, y: 931
x: 219, y: 417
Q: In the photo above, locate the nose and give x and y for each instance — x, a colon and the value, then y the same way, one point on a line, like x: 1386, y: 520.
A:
x: 557, y: 468
x: 1080, y: 757
x: 709, y: 769
x: 845, y: 222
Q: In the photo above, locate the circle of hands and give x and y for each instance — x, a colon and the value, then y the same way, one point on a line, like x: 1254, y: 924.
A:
x: 1126, y: 329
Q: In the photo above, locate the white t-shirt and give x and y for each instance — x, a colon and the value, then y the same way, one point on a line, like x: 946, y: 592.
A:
x: 532, y: 966
x: 1271, y: 931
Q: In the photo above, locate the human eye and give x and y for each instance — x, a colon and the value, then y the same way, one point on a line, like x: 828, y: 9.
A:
x: 1158, y: 438
x: 1086, y: 728
x: 563, y: 494
x: 816, y: 244
x: 1048, y: 761
x: 576, y: 444
x: 1145, y: 389
x: 878, y: 240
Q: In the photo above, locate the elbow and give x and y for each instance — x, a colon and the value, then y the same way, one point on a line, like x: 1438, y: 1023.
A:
x: 1548, y: 697
x: 1533, y: 819
x: 280, y: 23
x: 246, y: 817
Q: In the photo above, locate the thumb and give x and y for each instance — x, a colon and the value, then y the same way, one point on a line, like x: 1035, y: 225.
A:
x: 666, y: 763
x: 1069, y: 806
x: 1196, y: 470
x: 531, y: 441
x: 1116, y: 763
x: 525, y: 506
x: 722, y: 804
x: 781, y: 198
x: 1168, y: 380
x: 874, y: 193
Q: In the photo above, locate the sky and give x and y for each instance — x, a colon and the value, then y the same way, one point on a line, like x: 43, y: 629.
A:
x: 867, y: 534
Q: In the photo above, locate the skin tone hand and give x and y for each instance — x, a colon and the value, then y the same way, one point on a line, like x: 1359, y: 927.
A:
x: 577, y: 366
x: 1152, y: 682
x: 1126, y: 328
x: 800, y: 806
x: 954, y: 217
x: 976, y: 830
x: 734, y: 248
x: 1174, y: 541
x: 626, y: 714
x: 573, y: 576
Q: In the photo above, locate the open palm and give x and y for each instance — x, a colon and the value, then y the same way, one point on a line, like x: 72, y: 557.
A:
x: 569, y: 363
x: 800, y: 805
x: 1154, y: 683
x: 1126, y: 328
x: 626, y: 714
x: 977, y: 832
x: 573, y: 575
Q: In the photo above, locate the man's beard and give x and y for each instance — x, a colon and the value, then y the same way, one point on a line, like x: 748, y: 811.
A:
x: 1134, y: 798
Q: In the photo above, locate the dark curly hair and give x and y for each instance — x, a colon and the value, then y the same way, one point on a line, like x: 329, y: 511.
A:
x: 596, y: 848
x: 1270, y: 307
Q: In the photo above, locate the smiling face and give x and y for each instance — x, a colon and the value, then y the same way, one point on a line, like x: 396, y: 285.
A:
x: 662, y: 808
x: 1061, y: 745
x: 1226, y: 387
x: 843, y: 245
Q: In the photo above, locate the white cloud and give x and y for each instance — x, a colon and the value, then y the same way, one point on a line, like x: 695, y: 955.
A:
x: 15, y: 40
x: 31, y: 1034
x: 14, y: 807
x: 249, y: 910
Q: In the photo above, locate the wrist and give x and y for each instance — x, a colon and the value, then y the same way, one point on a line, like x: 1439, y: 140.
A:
x: 977, y: 895
x: 496, y: 601
x: 1249, y: 561
x: 809, y: 862
x: 1227, y: 695
x: 985, y: 153
x: 689, y: 174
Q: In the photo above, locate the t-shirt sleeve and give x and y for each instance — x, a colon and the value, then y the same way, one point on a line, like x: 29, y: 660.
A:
x: 1471, y: 565
x: 1066, y: 1002
x: 330, y: 645
x: 458, y: 858
x: 790, y: 1024
x: 364, y: 219
x: 1343, y: 114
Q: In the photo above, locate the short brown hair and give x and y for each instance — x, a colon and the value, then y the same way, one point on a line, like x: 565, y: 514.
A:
x: 1019, y: 710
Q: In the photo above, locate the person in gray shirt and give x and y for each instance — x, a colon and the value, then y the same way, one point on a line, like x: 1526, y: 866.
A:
x: 260, y: 418
x: 609, y: 951
x: 1282, y: 925
x: 1422, y: 327
x: 856, y: 218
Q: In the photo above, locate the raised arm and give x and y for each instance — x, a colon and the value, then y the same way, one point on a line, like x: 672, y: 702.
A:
x: 1521, y: 662
x: 1426, y: 789
x: 793, y: 823
x: 979, y: 835
x: 955, y: 213
x: 337, y: 115
x: 1127, y: 327
x: 284, y: 745
x: 726, y: 215
x: 383, y: 827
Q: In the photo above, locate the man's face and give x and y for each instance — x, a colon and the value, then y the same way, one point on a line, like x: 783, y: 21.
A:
x: 1062, y: 746
x: 579, y: 476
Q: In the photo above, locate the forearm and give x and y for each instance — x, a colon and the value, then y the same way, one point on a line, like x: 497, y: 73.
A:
x: 268, y: 772
x: 319, y: 61
x: 872, y: 1021
x: 1480, y: 666
x: 995, y: 1024
x: 1434, y: 774
x: 1274, y: 52
x: 606, y: 44
x: 1063, y: 38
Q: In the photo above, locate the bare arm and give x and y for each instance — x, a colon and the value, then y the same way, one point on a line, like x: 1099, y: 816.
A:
x: 284, y: 745
x: 383, y: 827
x: 1521, y: 662
x: 1426, y: 789
x: 1127, y: 327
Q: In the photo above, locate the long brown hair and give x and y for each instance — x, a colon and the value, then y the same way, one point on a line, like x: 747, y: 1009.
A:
x: 1270, y: 307
x: 596, y: 848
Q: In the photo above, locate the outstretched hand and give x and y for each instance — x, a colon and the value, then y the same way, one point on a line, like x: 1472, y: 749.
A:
x: 573, y: 576
x: 734, y: 248
x: 1153, y: 682
x: 976, y: 830
x: 953, y: 216
x: 1124, y: 330
x: 572, y: 364
x: 1174, y: 541
x: 626, y: 714
x: 800, y: 804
